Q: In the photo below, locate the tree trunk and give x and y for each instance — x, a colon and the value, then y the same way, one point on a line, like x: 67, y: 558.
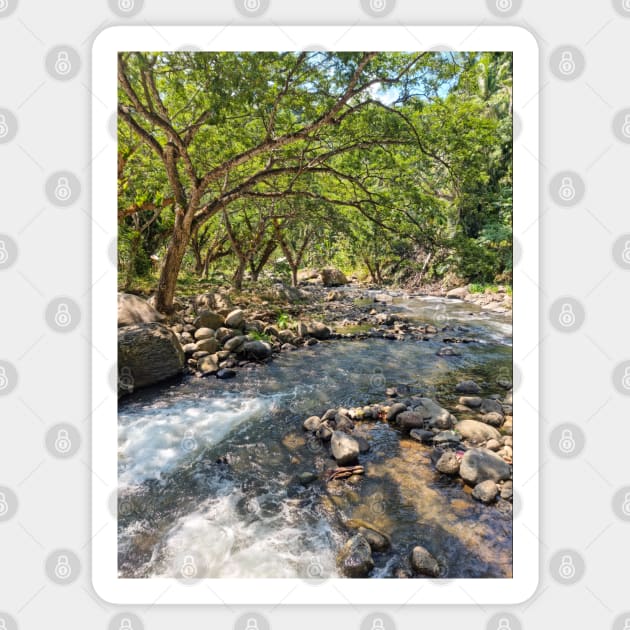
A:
x: 237, y: 279
x: 172, y: 262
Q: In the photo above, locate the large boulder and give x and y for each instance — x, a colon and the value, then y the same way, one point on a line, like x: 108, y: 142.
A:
x: 332, y: 277
x: 476, y: 432
x: 148, y: 354
x: 345, y: 449
x: 134, y: 310
x: 355, y: 558
x: 481, y: 464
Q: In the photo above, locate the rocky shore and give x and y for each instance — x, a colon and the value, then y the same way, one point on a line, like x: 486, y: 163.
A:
x: 210, y: 335
x: 474, y: 451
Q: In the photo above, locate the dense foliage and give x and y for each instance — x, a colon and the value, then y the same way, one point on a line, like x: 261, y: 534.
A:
x: 395, y: 166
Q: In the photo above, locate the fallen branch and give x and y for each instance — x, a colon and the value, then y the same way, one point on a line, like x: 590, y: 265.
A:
x: 344, y: 472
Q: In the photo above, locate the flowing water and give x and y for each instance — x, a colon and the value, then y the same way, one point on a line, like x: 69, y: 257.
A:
x: 208, y: 469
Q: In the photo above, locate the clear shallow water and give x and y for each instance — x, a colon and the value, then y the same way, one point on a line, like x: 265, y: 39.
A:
x: 208, y: 469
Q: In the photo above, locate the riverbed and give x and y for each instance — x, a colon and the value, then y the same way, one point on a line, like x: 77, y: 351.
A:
x: 209, y: 470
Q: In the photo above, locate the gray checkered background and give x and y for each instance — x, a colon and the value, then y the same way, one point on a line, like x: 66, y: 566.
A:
x: 45, y: 284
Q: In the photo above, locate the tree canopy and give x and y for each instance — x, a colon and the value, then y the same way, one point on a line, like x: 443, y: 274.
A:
x: 396, y: 165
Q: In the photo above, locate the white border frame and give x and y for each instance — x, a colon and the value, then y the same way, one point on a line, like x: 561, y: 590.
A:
x: 525, y: 318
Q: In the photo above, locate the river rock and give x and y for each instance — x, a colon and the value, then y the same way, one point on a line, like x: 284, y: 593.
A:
x: 213, y: 301
x: 447, y: 351
x: 394, y: 410
x: 235, y: 319
x: 223, y: 334
x: 345, y: 449
x: 148, y: 353
x: 333, y: 296
x: 447, y: 439
x: 448, y: 463
x: 324, y: 432
x: 493, y: 418
x: 318, y: 330
x: 226, y: 373
x: 332, y: 277
x: 204, y: 333
x: 493, y: 445
x: 458, y: 294
x: 306, y: 478
x: 421, y: 435
x: 189, y: 348
x: 473, y: 402
x: 256, y: 349
x: 477, y: 432
x: 376, y: 540
x: 312, y: 423
x: 504, y: 383
x: 424, y: 563
x: 481, y: 464
x: 234, y: 344
x: 486, y: 491
x: 411, y: 420
x: 488, y: 405
x: 467, y: 387
x: 355, y: 558
x: 208, y: 364
x: 507, y: 491
x: 438, y: 417
x: 134, y: 310
x: 364, y: 445
x: 208, y: 345
x: 208, y: 319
